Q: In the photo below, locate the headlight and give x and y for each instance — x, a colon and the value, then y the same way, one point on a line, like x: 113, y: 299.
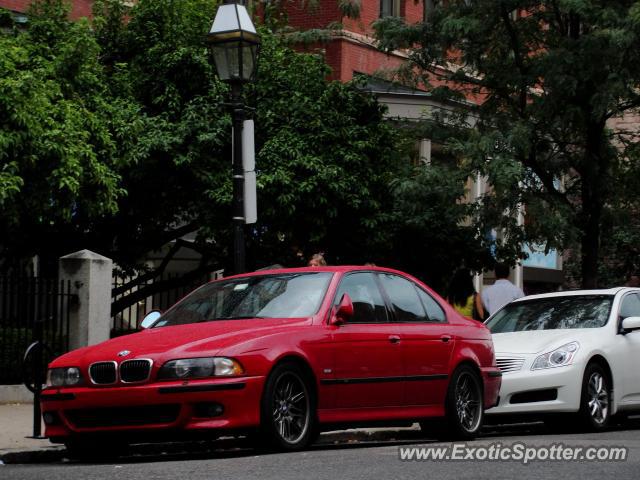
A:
x: 200, y: 367
x: 557, y: 358
x: 63, y: 377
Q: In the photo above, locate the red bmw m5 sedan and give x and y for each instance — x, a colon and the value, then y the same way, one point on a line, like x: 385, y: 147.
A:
x: 279, y: 354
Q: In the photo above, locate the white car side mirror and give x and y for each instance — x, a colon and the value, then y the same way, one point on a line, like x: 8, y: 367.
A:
x: 630, y: 323
x: 154, y: 315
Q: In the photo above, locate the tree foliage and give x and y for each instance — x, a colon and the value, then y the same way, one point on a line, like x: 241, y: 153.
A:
x: 551, y: 79
x: 116, y: 139
x: 58, y: 157
x: 325, y: 157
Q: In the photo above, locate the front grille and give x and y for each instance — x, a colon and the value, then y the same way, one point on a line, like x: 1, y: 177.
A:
x: 135, y: 370
x: 103, y: 373
x: 123, y: 416
x: 509, y: 364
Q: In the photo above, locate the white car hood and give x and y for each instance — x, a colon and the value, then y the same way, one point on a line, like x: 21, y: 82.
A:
x: 539, y: 341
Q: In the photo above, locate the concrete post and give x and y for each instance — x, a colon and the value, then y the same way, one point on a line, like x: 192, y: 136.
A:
x: 90, y: 275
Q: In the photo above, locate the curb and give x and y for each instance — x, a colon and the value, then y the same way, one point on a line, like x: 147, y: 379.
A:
x: 44, y: 455
x: 369, y: 436
x: 57, y: 453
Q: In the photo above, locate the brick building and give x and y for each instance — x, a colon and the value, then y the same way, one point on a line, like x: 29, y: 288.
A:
x: 79, y: 8
x: 352, y: 48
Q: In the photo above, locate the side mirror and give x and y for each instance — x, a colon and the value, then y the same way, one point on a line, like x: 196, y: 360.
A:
x: 150, y: 319
x: 344, y: 311
x: 630, y: 323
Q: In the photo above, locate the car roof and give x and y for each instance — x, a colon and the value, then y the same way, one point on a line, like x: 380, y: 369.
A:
x: 575, y: 293
x: 331, y: 269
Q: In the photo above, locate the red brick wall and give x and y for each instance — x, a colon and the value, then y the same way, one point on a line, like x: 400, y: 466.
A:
x: 80, y: 8
x: 15, y: 5
x: 346, y: 57
x: 412, y: 11
x: 363, y: 59
x: 328, y: 12
x: 370, y: 12
x: 307, y: 18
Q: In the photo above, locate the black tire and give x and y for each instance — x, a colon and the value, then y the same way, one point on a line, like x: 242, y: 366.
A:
x: 620, y: 419
x: 464, y: 408
x: 288, y: 410
x: 595, y: 400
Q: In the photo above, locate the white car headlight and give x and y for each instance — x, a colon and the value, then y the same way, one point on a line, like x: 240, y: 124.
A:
x: 559, y: 357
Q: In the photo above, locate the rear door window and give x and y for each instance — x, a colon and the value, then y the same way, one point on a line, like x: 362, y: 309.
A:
x: 403, y: 295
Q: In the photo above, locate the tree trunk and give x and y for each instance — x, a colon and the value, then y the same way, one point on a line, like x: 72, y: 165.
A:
x: 591, y: 249
x: 594, y: 185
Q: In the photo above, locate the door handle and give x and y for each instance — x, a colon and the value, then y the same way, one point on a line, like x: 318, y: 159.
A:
x: 445, y: 338
x: 394, y: 338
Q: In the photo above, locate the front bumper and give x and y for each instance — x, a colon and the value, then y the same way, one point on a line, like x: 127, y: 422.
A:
x: 565, y: 383
x: 492, y: 378
x: 153, y: 408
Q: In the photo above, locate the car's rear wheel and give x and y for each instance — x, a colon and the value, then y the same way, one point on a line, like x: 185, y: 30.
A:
x: 464, y: 408
x: 595, y: 400
x: 288, y: 409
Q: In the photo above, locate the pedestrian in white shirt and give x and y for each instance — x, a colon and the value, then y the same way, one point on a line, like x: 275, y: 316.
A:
x: 501, y: 292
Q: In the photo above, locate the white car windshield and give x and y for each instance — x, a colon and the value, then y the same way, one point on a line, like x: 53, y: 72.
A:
x: 576, y: 311
x: 293, y: 295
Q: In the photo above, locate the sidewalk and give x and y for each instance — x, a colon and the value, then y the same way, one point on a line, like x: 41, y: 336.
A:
x: 16, y: 425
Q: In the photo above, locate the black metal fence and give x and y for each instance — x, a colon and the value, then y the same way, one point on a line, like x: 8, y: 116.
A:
x: 128, y: 320
x: 31, y: 307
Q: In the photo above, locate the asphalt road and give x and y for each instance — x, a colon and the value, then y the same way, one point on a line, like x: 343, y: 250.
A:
x: 363, y: 460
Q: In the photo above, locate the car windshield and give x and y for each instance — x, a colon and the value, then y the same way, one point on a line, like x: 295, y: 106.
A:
x: 553, y: 313
x: 264, y: 296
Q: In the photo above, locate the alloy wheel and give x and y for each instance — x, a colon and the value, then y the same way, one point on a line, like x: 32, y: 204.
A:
x: 291, y: 407
x: 598, y: 398
x: 468, y: 402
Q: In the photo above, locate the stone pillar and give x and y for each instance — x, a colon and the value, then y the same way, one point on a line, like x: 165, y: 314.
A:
x: 90, y: 276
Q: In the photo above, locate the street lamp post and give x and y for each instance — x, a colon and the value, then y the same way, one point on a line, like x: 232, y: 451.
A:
x: 234, y: 44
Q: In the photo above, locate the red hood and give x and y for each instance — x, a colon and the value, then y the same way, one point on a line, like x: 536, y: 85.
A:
x: 182, y: 341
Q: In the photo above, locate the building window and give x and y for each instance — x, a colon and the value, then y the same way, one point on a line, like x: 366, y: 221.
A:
x: 389, y: 8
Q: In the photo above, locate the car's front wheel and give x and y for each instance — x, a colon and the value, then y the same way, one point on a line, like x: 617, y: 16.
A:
x: 595, y: 400
x: 288, y: 409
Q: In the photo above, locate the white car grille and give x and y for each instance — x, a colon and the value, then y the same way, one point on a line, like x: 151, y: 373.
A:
x: 509, y: 364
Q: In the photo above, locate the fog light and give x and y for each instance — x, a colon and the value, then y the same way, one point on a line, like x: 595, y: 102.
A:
x: 50, y: 418
x: 209, y: 409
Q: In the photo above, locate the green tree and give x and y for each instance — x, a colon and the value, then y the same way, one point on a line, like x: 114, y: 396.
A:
x: 58, y: 158
x: 433, y: 231
x: 325, y: 159
x: 551, y: 77
x: 151, y: 135
x: 324, y: 151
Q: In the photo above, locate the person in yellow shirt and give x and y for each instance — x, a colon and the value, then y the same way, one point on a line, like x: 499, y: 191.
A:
x: 463, y: 296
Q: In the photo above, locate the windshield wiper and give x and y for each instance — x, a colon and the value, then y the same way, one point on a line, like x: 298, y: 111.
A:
x: 238, y: 317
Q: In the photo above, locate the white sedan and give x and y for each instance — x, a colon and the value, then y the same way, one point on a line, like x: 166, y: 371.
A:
x: 572, y: 352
